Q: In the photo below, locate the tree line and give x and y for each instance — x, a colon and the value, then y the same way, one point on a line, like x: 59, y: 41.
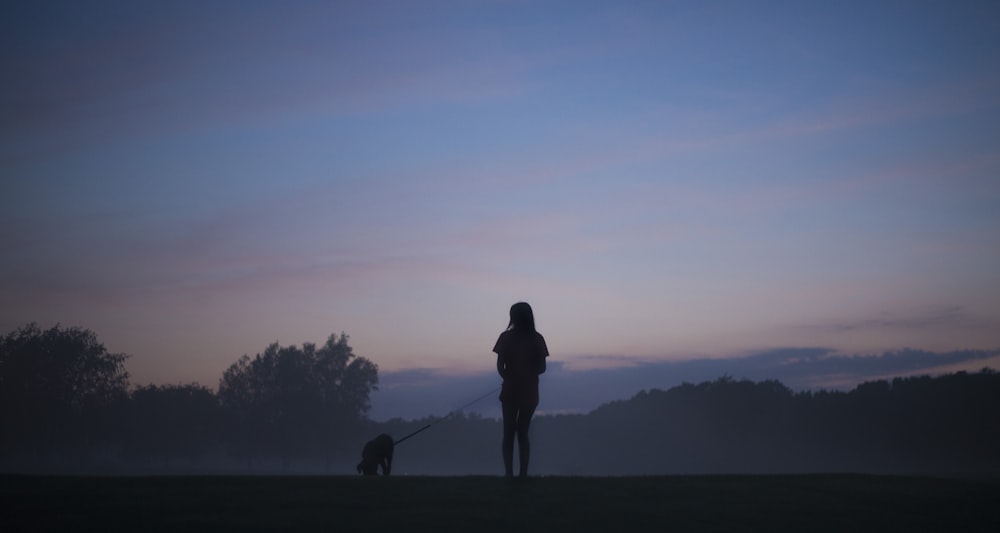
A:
x: 948, y: 424
x: 66, y: 406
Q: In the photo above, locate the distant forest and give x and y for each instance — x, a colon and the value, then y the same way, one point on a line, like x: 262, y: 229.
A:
x: 66, y: 406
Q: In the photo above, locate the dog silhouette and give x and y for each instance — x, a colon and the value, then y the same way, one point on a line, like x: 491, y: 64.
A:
x: 377, y: 452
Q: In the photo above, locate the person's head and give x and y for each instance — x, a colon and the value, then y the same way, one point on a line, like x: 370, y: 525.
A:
x: 521, y: 317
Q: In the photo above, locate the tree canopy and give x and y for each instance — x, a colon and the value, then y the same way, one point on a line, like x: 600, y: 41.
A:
x: 296, y: 402
x: 54, y: 384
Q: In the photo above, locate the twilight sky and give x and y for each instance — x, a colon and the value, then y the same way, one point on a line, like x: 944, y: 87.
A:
x: 662, y: 181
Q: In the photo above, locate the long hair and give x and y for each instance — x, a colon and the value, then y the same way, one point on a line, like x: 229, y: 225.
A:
x: 521, y: 317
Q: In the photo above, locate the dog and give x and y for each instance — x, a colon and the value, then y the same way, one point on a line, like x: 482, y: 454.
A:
x: 377, y: 452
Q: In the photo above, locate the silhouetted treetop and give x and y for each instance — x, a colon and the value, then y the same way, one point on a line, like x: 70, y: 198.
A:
x: 67, y: 366
x: 52, y: 384
x: 296, y: 401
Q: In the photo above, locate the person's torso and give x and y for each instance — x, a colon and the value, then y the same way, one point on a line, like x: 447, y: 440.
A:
x: 522, y: 353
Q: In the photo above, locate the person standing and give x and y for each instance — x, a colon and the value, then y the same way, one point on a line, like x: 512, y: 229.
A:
x: 521, y: 353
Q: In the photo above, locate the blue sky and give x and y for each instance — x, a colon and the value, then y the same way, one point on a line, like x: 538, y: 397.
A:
x: 662, y: 181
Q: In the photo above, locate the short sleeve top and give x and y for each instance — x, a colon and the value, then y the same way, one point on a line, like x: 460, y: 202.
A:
x: 523, y: 354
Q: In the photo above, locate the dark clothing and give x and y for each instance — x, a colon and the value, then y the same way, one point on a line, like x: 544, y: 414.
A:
x: 520, y: 359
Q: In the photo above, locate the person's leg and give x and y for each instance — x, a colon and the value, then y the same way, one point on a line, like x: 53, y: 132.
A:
x: 524, y: 415
x: 509, y: 427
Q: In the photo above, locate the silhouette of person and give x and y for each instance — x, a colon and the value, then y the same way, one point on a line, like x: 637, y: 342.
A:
x: 521, y: 353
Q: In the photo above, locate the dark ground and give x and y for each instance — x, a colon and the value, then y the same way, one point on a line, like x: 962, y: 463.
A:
x: 476, y: 504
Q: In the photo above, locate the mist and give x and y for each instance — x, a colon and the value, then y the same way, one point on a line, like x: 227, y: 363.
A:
x: 945, y: 425
x: 948, y: 424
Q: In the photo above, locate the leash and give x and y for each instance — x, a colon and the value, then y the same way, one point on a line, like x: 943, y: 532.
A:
x: 447, y: 415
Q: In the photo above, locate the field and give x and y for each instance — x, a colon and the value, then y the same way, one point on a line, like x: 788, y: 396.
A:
x: 476, y: 504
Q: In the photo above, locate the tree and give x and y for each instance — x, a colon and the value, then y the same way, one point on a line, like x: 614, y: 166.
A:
x: 170, y: 422
x: 291, y: 402
x: 56, y: 388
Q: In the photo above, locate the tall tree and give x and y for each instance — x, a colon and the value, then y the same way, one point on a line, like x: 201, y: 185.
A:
x: 290, y: 402
x: 56, y: 386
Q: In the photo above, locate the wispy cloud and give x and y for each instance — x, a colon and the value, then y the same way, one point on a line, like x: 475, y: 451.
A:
x: 162, y: 72
x: 955, y: 316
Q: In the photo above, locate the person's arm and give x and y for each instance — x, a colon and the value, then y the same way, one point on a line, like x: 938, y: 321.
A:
x: 498, y: 349
x: 544, y: 354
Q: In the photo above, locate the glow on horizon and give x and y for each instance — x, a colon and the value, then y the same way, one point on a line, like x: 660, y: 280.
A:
x: 658, y: 181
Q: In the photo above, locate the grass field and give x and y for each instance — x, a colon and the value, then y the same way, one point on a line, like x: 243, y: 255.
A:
x: 476, y: 504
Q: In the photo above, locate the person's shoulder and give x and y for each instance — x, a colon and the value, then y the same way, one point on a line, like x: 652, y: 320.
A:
x: 501, y: 341
x: 540, y: 340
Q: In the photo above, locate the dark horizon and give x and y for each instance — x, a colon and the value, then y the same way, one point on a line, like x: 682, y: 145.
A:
x: 419, y: 393
x: 945, y: 425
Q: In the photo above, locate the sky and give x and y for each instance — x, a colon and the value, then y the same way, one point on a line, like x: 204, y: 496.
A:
x: 666, y: 183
